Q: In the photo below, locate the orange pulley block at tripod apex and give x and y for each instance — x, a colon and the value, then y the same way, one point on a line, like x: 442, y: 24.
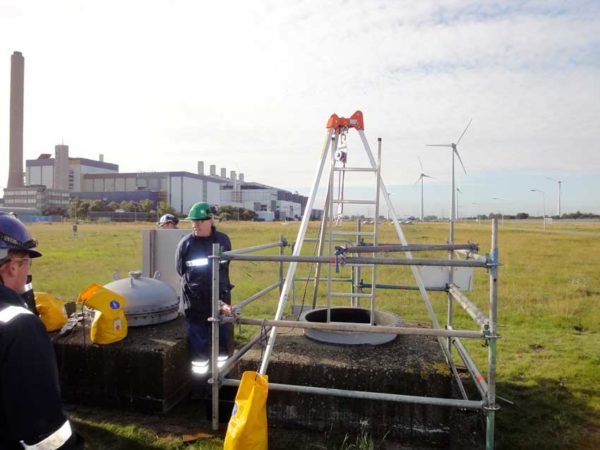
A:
x: 355, y: 121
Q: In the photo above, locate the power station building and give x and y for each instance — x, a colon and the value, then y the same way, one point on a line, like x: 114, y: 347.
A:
x: 49, y: 183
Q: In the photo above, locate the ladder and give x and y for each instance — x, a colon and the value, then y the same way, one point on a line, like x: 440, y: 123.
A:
x: 331, y: 232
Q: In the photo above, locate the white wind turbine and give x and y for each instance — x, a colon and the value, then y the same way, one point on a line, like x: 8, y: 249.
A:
x: 453, y: 146
x: 559, y: 181
x: 423, y: 175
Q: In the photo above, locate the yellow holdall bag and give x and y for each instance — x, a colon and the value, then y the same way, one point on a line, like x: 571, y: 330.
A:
x: 51, y: 311
x: 247, y: 429
x: 110, y: 324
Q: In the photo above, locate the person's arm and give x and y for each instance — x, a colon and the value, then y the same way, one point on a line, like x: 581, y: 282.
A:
x: 179, y: 267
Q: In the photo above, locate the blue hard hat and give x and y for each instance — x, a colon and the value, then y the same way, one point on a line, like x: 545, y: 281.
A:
x: 14, y: 236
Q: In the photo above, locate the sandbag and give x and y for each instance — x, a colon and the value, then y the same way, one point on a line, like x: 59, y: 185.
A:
x: 51, y: 310
x: 247, y: 428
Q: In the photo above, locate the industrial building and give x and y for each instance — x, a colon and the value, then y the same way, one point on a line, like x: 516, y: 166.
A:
x: 50, y: 182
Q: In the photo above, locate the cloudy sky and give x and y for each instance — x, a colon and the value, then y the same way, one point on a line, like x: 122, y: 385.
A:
x: 249, y: 86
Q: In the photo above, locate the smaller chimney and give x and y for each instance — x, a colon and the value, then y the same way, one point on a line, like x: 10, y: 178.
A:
x: 101, y: 157
x: 232, y: 175
x: 61, y: 167
x: 241, y: 177
x: 223, y: 172
x: 200, y: 167
x: 213, y: 170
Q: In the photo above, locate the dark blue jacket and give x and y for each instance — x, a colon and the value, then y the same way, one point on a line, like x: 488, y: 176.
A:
x: 30, y: 403
x: 193, y: 264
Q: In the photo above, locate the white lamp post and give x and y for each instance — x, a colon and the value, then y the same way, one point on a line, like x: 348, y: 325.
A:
x: 543, y: 205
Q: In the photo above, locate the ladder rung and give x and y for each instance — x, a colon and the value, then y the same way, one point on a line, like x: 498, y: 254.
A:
x: 317, y: 240
x: 350, y: 294
x: 355, y: 169
x: 333, y: 280
x: 355, y: 202
x: 354, y: 233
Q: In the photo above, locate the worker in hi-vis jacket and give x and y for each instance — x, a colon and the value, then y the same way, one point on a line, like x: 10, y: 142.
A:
x: 195, y: 268
x: 31, y: 410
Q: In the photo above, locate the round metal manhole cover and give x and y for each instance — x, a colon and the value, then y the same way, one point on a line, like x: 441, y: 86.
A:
x: 350, y: 315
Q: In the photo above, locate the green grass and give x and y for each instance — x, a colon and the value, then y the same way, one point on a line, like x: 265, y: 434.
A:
x: 549, y: 315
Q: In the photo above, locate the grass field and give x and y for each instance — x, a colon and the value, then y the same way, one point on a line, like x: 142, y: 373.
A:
x: 549, y: 315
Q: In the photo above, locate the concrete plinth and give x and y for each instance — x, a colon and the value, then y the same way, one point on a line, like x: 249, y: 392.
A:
x: 410, y: 365
x: 149, y: 371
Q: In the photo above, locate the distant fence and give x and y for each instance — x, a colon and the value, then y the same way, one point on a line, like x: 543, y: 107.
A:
x: 34, y: 218
x: 121, y: 216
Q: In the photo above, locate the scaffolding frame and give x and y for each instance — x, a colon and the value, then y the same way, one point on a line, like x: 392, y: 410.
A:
x: 448, y: 338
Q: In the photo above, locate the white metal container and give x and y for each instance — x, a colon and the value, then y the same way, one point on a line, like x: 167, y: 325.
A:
x: 149, y: 301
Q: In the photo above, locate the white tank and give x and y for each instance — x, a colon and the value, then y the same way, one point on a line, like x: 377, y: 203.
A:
x: 149, y: 300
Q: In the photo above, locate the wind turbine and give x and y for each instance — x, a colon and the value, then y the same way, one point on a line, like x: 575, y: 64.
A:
x: 559, y: 181
x: 423, y: 175
x: 453, y: 146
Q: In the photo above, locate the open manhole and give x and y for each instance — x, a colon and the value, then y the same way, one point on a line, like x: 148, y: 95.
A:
x: 350, y: 315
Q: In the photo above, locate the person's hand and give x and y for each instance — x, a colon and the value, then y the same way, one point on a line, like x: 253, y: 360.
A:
x: 224, y: 307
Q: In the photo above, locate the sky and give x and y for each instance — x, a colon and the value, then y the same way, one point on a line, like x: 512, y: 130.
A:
x: 249, y: 86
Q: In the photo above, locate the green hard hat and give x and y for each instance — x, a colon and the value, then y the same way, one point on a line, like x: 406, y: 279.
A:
x: 199, y: 211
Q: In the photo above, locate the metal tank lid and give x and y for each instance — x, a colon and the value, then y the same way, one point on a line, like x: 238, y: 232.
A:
x: 150, y: 301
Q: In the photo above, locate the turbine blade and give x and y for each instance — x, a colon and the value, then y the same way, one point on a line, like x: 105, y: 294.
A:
x: 461, y: 163
x: 427, y: 176
x: 418, y: 179
x: 438, y: 145
x: 420, y: 163
x: 552, y: 179
x: 463, y: 133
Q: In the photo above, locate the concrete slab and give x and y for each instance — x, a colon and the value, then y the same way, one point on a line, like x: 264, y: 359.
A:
x: 149, y: 371
x: 410, y: 365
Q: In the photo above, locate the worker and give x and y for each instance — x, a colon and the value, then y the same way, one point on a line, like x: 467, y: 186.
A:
x: 194, y: 265
x: 31, y: 410
x: 168, y: 222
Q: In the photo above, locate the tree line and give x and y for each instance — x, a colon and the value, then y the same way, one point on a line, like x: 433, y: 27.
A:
x: 80, y: 208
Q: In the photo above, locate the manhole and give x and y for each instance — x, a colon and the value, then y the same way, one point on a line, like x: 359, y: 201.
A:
x: 350, y: 315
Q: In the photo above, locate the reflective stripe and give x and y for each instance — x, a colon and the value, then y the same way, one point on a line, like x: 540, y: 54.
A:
x: 221, y: 361
x: 54, y: 441
x: 200, y: 367
x: 28, y: 287
x: 199, y: 262
x: 8, y: 314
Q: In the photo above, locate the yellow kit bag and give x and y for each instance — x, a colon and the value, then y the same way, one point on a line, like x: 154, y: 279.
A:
x: 51, y: 311
x: 110, y: 324
x: 247, y: 429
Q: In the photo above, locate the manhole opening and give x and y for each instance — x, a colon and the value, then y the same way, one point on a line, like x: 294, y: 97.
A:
x: 346, y: 315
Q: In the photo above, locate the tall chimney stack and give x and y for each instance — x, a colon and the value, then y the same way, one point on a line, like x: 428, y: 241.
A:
x: 241, y: 177
x: 213, y: 170
x: 15, y: 149
x: 101, y: 157
x: 232, y: 174
x: 200, y: 167
x: 61, y: 167
x: 223, y: 172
